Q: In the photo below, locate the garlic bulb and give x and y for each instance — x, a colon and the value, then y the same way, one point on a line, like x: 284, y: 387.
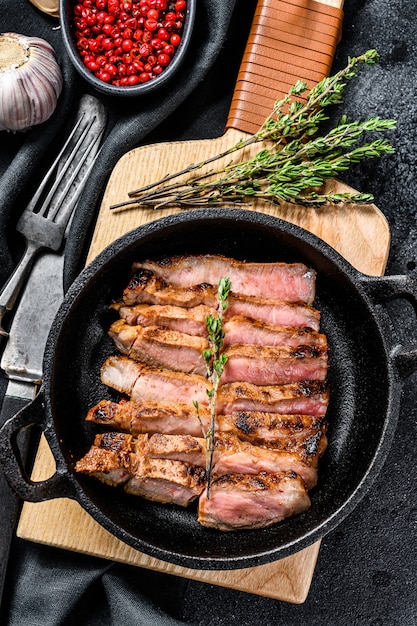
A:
x: 30, y: 81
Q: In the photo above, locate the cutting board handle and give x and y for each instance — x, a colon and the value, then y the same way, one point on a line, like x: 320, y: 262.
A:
x: 289, y: 40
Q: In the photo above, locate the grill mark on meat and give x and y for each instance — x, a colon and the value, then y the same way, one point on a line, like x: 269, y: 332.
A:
x: 166, y: 481
x: 242, y: 330
x: 151, y: 417
x: 276, y: 431
x: 233, y: 456
x: 293, y: 282
x: 148, y: 383
x: 239, y: 501
x: 147, y: 288
x: 265, y: 365
x: 160, y: 347
x: 191, y: 321
x: 305, y: 397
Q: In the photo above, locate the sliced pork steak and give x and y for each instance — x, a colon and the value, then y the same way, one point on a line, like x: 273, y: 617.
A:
x: 176, y: 447
x: 266, y: 365
x: 241, y: 501
x: 149, y: 416
x: 275, y: 430
x: 166, y: 481
x: 120, y: 459
x: 232, y: 456
x: 148, y: 383
x: 275, y: 312
x: 146, y: 288
x: 305, y: 397
x: 270, y: 429
x: 242, y: 330
x: 160, y: 347
x: 191, y: 321
x: 293, y: 282
x: 109, y: 458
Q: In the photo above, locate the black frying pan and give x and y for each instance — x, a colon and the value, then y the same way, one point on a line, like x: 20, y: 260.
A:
x: 367, y: 368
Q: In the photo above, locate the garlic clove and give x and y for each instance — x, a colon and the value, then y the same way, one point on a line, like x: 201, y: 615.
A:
x: 30, y: 81
x: 50, y: 7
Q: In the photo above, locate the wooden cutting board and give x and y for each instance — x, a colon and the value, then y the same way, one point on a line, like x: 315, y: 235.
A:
x: 304, y: 33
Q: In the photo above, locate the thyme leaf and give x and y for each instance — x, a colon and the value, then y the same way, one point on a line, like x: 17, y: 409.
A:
x: 294, y: 165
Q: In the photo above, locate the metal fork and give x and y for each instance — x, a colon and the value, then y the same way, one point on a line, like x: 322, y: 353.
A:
x: 45, y: 218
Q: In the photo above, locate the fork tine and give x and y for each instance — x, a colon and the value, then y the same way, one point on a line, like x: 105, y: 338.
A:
x: 64, y: 216
x: 44, y: 209
x: 35, y: 198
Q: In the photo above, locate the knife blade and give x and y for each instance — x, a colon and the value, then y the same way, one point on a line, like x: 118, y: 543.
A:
x: 22, y: 358
x: 22, y: 363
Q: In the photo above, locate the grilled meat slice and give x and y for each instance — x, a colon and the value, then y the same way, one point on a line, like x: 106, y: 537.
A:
x: 305, y: 397
x: 160, y: 347
x: 166, y: 481
x: 293, y: 282
x: 120, y: 459
x: 242, y: 330
x: 108, y: 459
x: 265, y: 365
x: 147, y: 288
x: 275, y: 430
x: 148, y: 383
x: 175, y: 447
x: 191, y: 321
x: 239, y: 501
x: 147, y: 416
x: 271, y: 311
x: 232, y: 456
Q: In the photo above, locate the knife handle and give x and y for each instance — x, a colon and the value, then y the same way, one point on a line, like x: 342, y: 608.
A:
x: 10, y: 503
x: 289, y: 40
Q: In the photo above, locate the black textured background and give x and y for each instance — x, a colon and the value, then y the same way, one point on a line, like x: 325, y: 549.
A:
x: 366, y: 571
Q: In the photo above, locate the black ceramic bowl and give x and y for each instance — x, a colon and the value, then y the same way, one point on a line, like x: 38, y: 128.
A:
x: 67, y: 29
x: 367, y: 367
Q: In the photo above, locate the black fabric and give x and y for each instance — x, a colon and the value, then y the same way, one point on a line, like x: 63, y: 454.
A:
x: 366, y: 568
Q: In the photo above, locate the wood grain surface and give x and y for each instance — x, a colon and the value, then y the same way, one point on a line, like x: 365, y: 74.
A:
x: 359, y: 233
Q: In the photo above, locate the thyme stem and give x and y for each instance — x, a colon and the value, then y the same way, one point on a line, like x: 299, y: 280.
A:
x: 215, y: 361
x: 295, y: 163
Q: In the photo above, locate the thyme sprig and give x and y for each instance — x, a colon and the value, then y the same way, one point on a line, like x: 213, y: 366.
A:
x: 294, y: 165
x: 215, y: 361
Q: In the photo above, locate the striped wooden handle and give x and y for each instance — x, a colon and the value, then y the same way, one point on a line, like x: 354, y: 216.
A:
x: 289, y: 40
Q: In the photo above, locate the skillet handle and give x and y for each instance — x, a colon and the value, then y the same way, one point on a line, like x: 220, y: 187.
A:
x: 58, y: 485
x: 383, y: 289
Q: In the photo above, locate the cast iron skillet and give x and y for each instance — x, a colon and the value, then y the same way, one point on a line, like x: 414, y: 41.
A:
x: 366, y: 374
